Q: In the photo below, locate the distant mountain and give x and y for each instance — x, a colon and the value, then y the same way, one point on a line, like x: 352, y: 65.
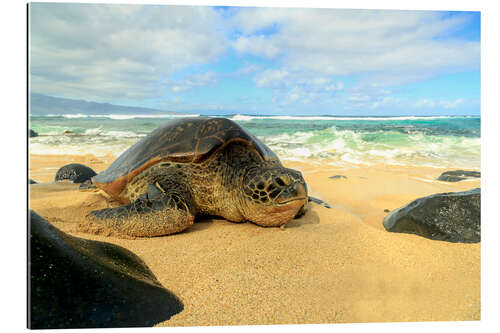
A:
x: 43, y: 104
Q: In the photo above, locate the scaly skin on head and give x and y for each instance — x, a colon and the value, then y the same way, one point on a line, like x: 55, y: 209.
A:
x: 277, y: 195
x: 273, y: 195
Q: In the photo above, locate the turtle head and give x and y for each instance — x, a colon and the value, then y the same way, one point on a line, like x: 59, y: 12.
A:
x: 273, y: 195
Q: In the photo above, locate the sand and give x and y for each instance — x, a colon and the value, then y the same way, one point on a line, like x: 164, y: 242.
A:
x: 334, y: 265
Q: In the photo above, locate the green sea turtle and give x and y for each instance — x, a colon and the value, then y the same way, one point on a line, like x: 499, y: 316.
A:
x: 196, y: 166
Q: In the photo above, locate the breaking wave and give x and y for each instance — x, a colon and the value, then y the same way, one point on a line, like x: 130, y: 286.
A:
x: 239, y: 117
x: 436, y: 141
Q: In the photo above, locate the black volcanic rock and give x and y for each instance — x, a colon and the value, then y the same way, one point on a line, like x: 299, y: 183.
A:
x: 75, y: 172
x: 32, y: 133
x: 31, y: 181
x: 79, y: 283
x: 338, y: 177
x: 458, y: 175
x: 452, y: 217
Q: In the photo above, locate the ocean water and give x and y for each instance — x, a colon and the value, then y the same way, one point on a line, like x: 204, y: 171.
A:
x: 440, y: 141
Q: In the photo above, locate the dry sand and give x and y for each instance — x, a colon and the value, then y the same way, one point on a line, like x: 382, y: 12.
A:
x: 333, y: 265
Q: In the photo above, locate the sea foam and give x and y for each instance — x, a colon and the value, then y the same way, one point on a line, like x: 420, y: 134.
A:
x: 433, y: 141
x: 239, y: 117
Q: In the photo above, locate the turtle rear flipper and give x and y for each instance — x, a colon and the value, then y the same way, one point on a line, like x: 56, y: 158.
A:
x: 303, y: 209
x: 155, y: 213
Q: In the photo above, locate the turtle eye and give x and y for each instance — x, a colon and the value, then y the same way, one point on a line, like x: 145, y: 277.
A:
x: 283, y: 180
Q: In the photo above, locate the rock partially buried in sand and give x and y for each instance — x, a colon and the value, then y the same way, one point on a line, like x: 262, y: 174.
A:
x: 32, y: 133
x: 338, y: 177
x: 75, y: 172
x: 458, y: 175
x: 452, y: 217
x: 31, y: 181
x: 79, y: 283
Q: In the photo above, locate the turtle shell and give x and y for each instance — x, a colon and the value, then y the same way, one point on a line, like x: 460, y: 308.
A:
x: 187, y: 140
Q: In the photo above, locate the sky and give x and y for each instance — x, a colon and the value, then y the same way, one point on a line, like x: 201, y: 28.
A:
x: 244, y: 60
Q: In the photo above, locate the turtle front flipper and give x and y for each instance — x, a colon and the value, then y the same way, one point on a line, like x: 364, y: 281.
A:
x: 87, y: 185
x: 319, y: 202
x: 155, y: 213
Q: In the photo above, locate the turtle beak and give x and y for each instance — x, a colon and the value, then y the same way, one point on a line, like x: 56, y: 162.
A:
x: 296, y: 191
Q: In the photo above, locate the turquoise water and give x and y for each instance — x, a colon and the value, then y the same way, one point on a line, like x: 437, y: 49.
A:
x: 432, y: 141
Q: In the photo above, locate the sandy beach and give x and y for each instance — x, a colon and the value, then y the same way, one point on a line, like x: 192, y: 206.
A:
x: 335, y: 265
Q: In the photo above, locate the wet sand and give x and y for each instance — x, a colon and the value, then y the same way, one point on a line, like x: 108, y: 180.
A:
x: 334, y: 265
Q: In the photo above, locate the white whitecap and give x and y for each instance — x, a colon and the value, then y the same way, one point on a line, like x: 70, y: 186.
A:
x: 78, y: 115
x: 93, y: 131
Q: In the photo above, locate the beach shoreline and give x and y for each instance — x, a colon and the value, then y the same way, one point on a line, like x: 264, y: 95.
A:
x: 335, y: 265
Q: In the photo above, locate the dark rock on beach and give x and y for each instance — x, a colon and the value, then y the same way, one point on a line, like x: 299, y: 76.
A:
x: 452, y: 217
x: 31, y: 181
x: 75, y: 172
x: 32, y: 133
x: 338, y: 177
x: 79, y: 283
x: 458, y: 175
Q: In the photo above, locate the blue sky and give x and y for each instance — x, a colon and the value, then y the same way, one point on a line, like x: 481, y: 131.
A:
x: 221, y: 60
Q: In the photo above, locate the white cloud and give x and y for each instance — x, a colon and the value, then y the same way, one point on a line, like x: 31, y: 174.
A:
x: 372, y: 99
x: 248, y: 69
x: 335, y: 87
x: 271, y: 78
x: 451, y: 104
x: 191, y: 81
x: 430, y: 103
x: 115, y: 52
x: 294, y: 87
x: 392, y: 46
x: 382, y: 48
x: 424, y: 103
x: 251, y: 20
x: 384, y: 102
x: 105, y: 52
x: 359, y: 97
x: 256, y: 45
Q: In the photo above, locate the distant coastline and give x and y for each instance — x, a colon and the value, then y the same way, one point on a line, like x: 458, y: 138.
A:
x: 50, y: 106
x: 47, y: 105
